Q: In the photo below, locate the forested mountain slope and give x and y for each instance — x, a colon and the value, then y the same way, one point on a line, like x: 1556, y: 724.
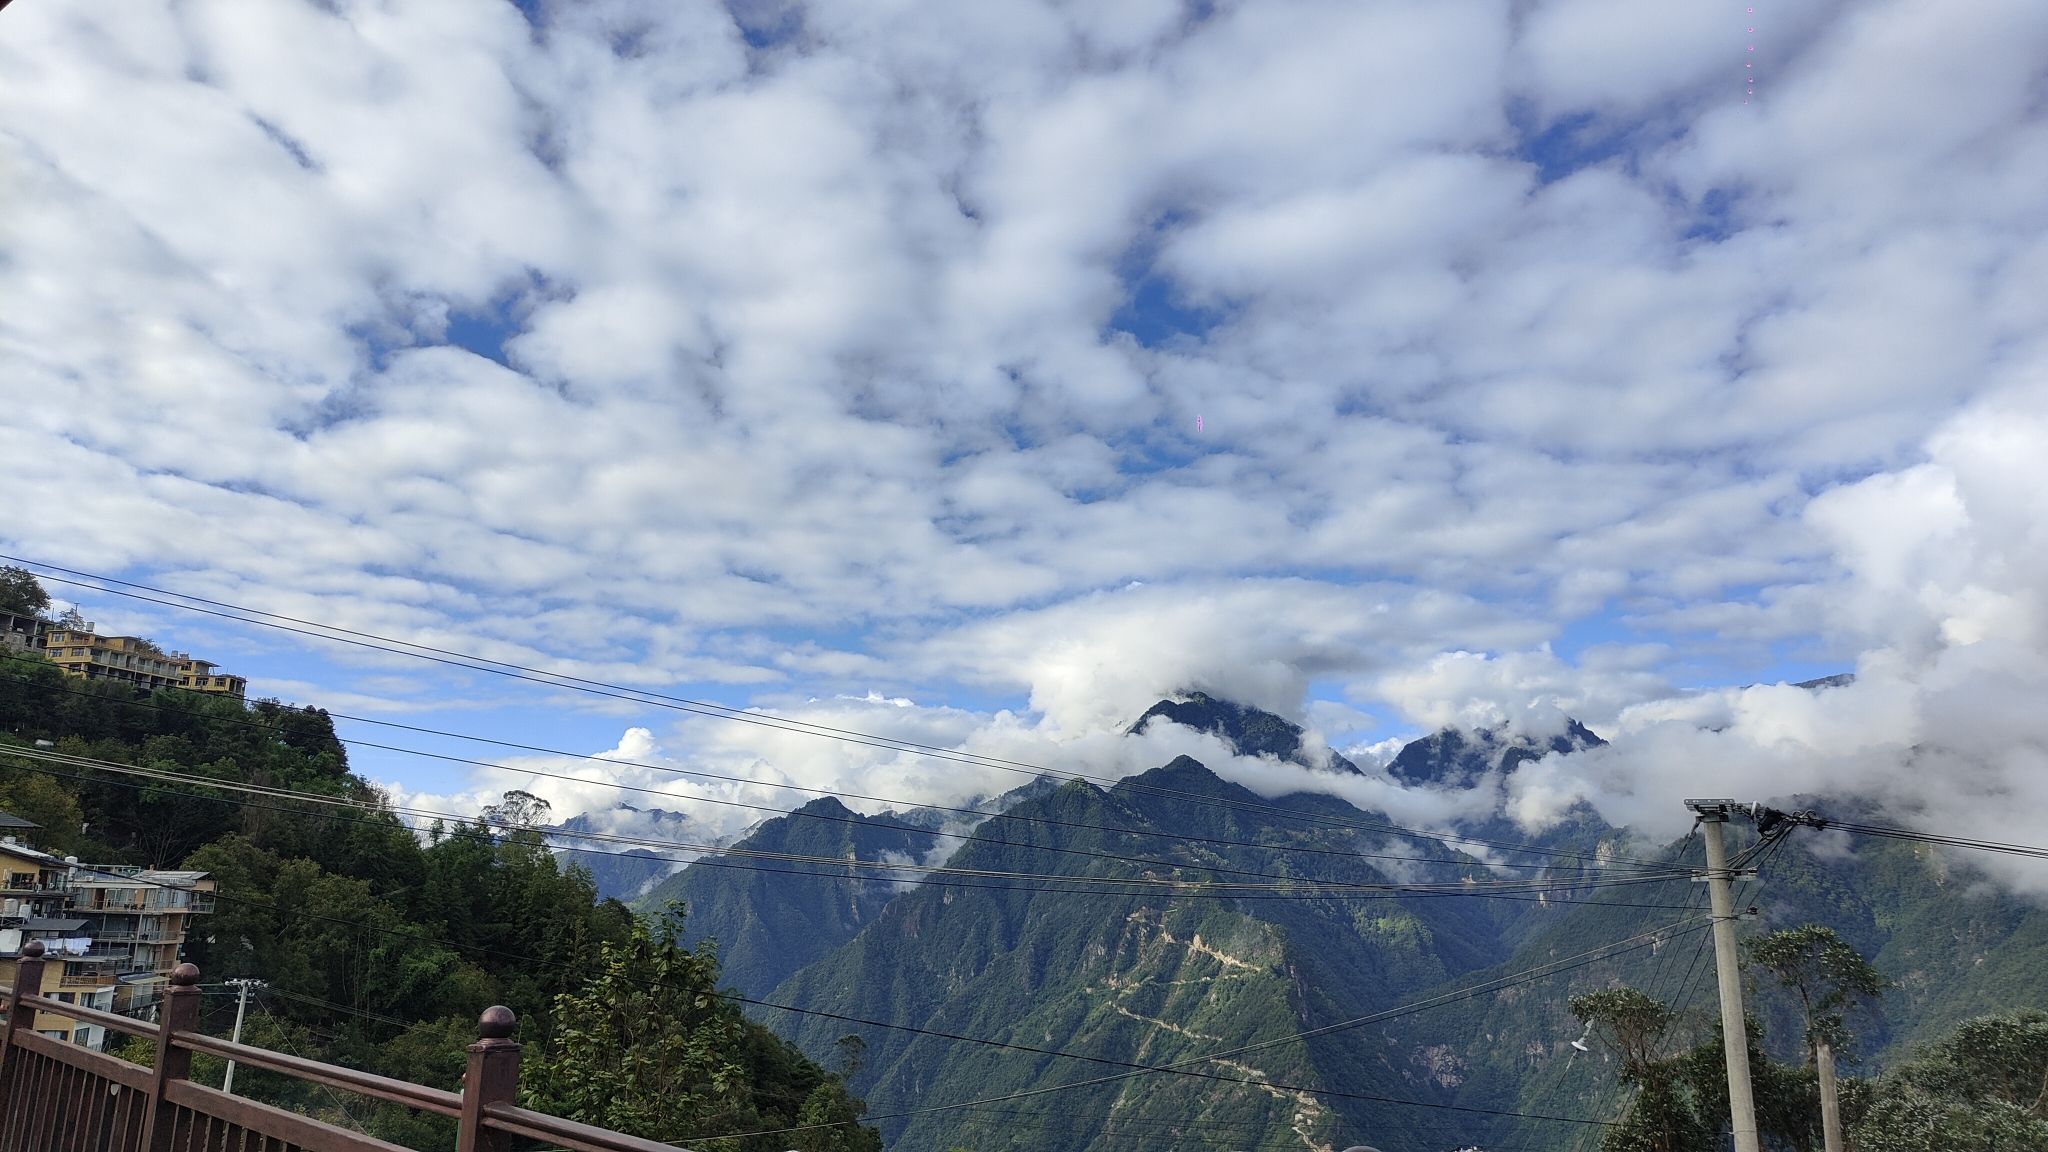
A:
x: 1123, y: 969
x: 770, y: 917
x: 379, y: 947
x: 1128, y: 973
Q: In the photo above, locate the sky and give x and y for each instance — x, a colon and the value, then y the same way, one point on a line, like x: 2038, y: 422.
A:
x: 980, y: 374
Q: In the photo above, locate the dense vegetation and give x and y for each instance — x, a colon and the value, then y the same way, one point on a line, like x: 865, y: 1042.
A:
x: 1131, y: 976
x: 380, y: 946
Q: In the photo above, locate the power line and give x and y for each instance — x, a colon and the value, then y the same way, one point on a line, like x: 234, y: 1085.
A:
x: 1184, y: 1067
x: 1937, y: 838
x: 1621, y: 864
x: 710, y: 862
x: 1050, y: 880
x: 337, y: 634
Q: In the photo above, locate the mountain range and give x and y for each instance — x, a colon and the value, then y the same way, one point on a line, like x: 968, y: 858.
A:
x: 626, y: 874
x: 1072, y: 932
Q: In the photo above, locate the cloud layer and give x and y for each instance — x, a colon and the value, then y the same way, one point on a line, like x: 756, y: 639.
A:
x: 807, y: 350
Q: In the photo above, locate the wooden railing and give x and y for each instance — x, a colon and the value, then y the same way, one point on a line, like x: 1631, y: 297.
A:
x: 59, y: 1097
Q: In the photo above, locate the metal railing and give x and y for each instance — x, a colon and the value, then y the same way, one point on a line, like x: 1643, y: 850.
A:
x: 59, y: 1097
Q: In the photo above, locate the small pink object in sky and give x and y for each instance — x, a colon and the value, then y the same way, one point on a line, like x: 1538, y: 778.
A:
x: 1749, y: 70
x: 1198, y: 423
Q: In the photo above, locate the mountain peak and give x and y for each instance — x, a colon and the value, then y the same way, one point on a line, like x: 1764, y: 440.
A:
x: 1252, y: 731
x: 1453, y: 758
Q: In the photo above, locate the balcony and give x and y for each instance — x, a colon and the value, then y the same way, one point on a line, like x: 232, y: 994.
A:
x: 37, y: 886
x: 143, y: 936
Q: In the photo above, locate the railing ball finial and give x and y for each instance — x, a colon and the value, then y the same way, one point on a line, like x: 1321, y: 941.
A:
x: 33, y: 950
x: 185, y: 975
x: 497, y: 1023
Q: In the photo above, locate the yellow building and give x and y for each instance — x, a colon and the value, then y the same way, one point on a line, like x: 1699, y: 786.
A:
x: 35, y: 892
x: 200, y: 677
x: 75, y: 648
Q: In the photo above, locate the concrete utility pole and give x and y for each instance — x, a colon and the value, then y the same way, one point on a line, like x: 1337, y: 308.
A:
x: 227, y: 1083
x: 1713, y: 816
x: 1830, y: 1105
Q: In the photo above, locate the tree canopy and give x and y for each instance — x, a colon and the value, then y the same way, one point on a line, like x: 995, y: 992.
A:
x: 21, y: 592
x: 645, y: 1046
x: 1983, y: 1089
x: 1830, y: 977
x: 381, y: 946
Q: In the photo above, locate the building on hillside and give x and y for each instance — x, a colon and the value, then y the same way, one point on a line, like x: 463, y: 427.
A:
x: 76, y: 649
x: 137, y: 920
x: 19, y: 633
x: 35, y: 896
x: 200, y: 677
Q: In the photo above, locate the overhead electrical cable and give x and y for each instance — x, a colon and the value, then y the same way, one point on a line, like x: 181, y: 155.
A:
x: 1050, y: 880
x: 1184, y: 1067
x: 1940, y: 839
x: 338, y: 634
x: 983, y: 814
x: 1187, y: 1066
x: 1106, y: 892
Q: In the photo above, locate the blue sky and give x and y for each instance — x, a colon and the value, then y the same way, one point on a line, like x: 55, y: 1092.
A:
x: 845, y: 361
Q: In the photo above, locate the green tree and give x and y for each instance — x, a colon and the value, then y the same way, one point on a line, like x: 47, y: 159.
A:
x: 643, y: 1046
x: 1630, y: 1021
x: 21, y: 592
x: 1664, y: 1115
x: 1830, y: 978
x: 646, y: 1046
x: 1983, y: 1089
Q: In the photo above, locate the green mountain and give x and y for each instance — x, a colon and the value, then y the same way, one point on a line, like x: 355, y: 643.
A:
x: 621, y: 875
x: 769, y: 917
x: 1953, y: 946
x: 1127, y: 972
x: 1095, y: 965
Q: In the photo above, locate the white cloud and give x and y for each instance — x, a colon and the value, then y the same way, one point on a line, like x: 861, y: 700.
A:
x: 813, y: 383
x: 1941, y: 571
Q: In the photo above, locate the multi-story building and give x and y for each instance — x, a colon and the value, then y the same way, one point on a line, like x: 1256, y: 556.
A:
x: 35, y: 894
x: 74, y: 647
x: 200, y: 677
x: 110, y: 934
x: 137, y: 920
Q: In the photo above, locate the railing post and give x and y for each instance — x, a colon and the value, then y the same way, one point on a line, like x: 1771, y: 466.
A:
x: 180, y: 1014
x: 492, y: 1078
x: 28, y: 981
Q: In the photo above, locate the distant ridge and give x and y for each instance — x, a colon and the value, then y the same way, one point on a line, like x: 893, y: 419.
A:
x: 1452, y: 758
x: 1253, y: 731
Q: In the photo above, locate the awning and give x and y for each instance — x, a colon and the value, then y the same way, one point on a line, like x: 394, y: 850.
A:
x: 52, y: 924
